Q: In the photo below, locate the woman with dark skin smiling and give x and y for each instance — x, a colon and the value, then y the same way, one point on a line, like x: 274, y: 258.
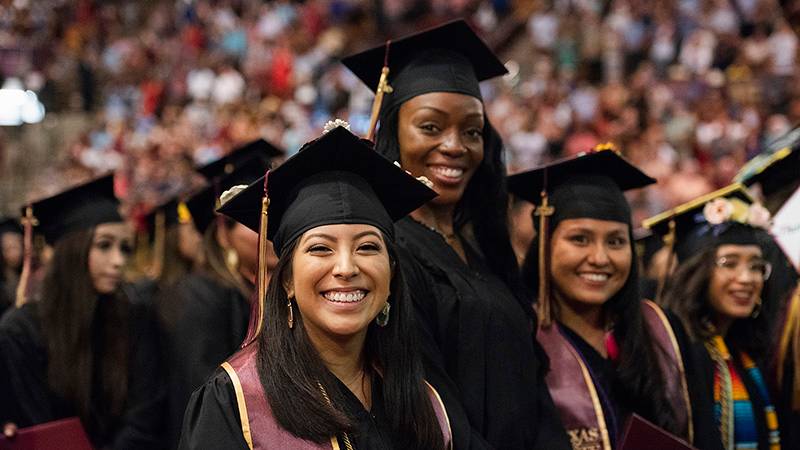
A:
x: 476, y: 323
x: 87, y: 348
x: 610, y: 353
x: 334, y: 364
x: 718, y: 291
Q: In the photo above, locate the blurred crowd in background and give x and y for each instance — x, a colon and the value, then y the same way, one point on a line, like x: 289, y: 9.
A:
x: 687, y: 89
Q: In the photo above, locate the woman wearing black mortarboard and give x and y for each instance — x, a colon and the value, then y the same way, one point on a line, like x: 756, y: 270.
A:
x: 85, y: 348
x: 204, y: 314
x: 476, y: 323
x: 718, y: 290
x: 331, y: 363
x: 611, y: 354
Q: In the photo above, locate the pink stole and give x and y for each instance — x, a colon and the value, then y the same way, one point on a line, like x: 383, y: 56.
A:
x: 259, y: 427
x: 576, y: 398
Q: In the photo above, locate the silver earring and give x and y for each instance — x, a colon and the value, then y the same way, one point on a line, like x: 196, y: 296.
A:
x: 383, y: 316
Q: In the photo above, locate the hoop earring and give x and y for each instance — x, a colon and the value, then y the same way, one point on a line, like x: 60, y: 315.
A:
x: 290, y: 319
x: 383, y: 317
x: 756, y: 309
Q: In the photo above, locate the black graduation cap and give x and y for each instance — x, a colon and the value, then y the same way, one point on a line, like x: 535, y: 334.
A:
x: 337, y: 178
x: 240, y: 167
x: 780, y: 170
x: 81, y: 207
x: 447, y: 58
x: 10, y: 225
x: 587, y: 185
x: 248, y: 162
x: 693, y: 226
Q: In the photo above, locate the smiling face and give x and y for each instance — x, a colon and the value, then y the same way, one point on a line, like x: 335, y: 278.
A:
x: 441, y: 137
x: 109, y: 253
x: 341, y: 278
x: 736, y: 281
x: 591, y: 260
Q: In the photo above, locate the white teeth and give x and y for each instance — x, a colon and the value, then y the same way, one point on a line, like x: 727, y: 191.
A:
x: 345, y: 297
x: 448, y: 171
x: 741, y: 295
x: 595, y: 276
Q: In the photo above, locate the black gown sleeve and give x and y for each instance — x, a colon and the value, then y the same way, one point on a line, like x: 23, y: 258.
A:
x: 426, y: 314
x: 212, y: 417
x: 144, y: 411
x: 695, y: 363
x: 25, y: 398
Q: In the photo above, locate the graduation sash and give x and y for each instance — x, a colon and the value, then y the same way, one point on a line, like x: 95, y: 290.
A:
x: 259, y: 427
x: 575, y: 395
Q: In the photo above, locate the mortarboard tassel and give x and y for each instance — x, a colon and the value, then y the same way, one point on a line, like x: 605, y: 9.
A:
x: 257, y: 310
x: 383, y: 88
x: 669, y: 242
x: 544, y: 211
x: 28, y: 222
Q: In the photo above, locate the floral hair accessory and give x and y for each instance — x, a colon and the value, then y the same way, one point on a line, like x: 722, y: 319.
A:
x: 230, y: 193
x: 332, y: 124
x: 721, y: 210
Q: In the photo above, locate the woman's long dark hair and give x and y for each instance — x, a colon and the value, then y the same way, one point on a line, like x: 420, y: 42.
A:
x: 687, y: 296
x: 639, y: 382
x: 484, y: 204
x: 290, y: 369
x: 83, y: 331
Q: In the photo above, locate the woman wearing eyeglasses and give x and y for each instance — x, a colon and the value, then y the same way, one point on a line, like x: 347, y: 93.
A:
x: 718, y: 291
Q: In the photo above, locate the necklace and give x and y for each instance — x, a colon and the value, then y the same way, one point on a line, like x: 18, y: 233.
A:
x: 451, y: 237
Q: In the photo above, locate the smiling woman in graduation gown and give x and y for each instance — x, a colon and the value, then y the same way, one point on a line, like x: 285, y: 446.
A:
x: 476, y: 324
x: 335, y: 363
x: 87, y: 348
x: 611, y: 353
x: 717, y: 290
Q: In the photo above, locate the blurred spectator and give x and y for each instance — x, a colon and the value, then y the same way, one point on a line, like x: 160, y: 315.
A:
x: 689, y: 89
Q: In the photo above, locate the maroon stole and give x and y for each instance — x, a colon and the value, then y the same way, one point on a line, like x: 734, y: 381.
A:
x: 259, y: 427
x: 576, y: 397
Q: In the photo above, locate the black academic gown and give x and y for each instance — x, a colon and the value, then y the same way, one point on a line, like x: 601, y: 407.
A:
x: 212, y: 418
x: 478, y: 346
x: 206, y: 323
x: 26, y: 399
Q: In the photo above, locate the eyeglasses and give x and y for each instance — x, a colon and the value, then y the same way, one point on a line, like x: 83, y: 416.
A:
x: 733, y: 266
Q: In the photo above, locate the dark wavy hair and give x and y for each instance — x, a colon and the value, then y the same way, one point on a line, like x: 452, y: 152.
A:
x: 75, y: 319
x: 687, y: 296
x: 639, y: 382
x: 290, y: 368
x: 484, y: 204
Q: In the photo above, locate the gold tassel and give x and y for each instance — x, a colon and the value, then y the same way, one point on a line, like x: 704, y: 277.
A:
x: 544, y: 211
x: 28, y: 222
x: 262, y: 263
x: 383, y: 88
x: 669, y: 242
